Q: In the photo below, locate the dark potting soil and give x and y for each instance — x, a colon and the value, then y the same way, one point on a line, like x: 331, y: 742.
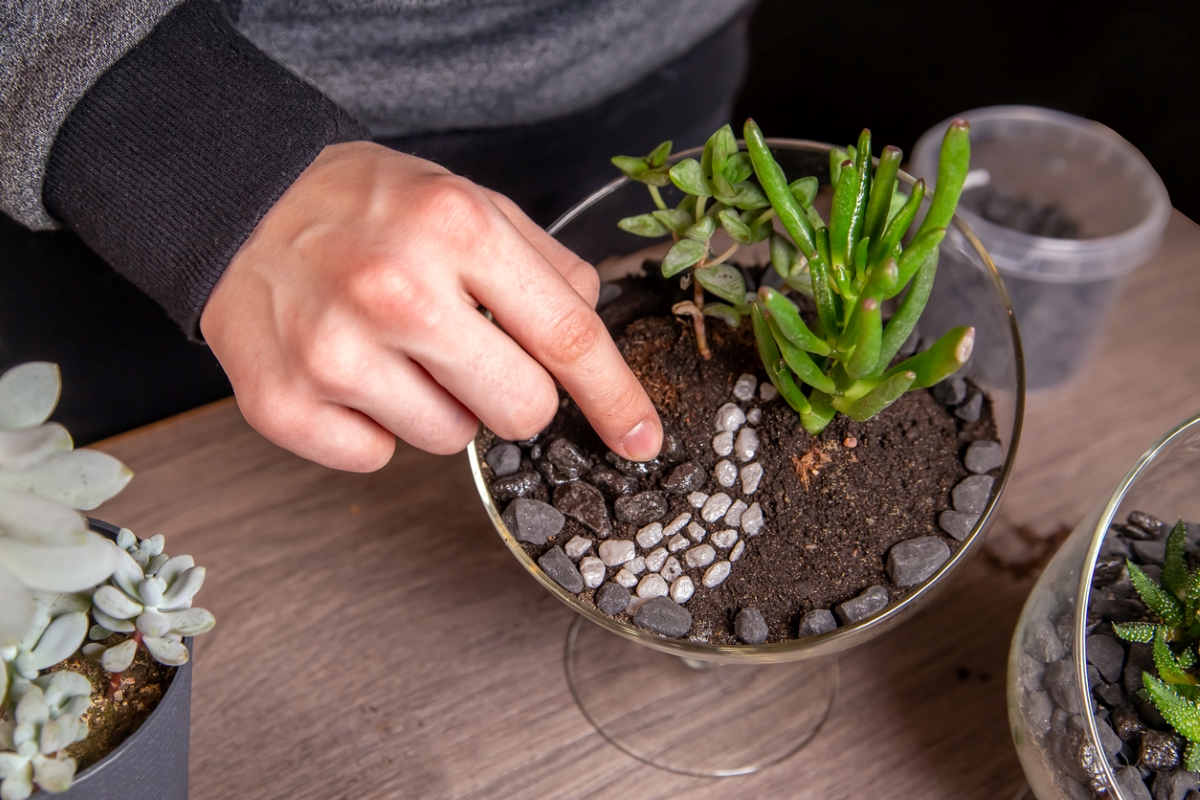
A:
x: 833, y: 504
x: 115, y: 716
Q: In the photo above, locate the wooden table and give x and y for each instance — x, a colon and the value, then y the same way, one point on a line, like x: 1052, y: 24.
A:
x: 375, y: 639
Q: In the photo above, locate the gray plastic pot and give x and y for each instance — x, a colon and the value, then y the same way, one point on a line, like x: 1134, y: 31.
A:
x: 152, y: 764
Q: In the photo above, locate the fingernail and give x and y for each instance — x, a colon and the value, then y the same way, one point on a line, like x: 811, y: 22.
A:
x: 642, y: 443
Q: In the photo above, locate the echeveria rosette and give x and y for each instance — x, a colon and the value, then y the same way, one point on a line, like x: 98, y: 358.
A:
x: 46, y: 717
x: 59, y: 627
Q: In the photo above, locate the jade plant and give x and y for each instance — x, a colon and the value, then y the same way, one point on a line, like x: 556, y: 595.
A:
x: 1175, y: 602
x: 848, y: 267
x: 55, y: 586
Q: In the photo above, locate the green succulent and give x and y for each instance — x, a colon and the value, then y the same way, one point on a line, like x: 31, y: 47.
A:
x: 47, y: 716
x: 849, y: 266
x: 59, y: 627
x: 1175, y: 602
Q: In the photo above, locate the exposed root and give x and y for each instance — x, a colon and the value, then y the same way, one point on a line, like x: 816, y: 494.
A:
x: 809, y: 465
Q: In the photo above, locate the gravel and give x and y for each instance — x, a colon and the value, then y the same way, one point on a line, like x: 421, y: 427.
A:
x: 733, y: 516
x: 616, y: 552
x: 1107, y: 655
x: 750, y: 627
x: 754, y: 416
x: 650, y: 535
x: 971, y: 494
x: 676, y: 525
x: 1149, y: 552
x: 1132, y: 787
x: 752, y: 520
x: 951, y: 391
x: 958, y: 524
x: 983, y: 457
x: 716, y: 574
x: 653, y: 585
x: 682, y: 589
x: 743, y: 388
x: 970, y: 409
x: 637, y: 565
x: 584, y: 503
x: 913, y: 561
x: 1038, y: 709
x: 751, y: 475
x: 593, y: 571
x: 767, y: 392
x: 715, y: 507
x: 532, y: 520
x: 664, y: 616
x: 672, y: 569
x: 746, y: 446
x: 612, y: 599
x: 819, y: 620
x: 725, y: 473
x: 678, y: 542
x: 611, y: 482
x: 577, y: 546
x: 1160, y: 750
x: 555, y: 563
x: 730, y: 417
x: 700, y: 556
x: 1151, y: 524
x: 656, y: 558
x: 737, y: 551
x: 725, y: 539
x: 1175, y: 785
x: 696, y: 532
x: 571, y: 461
x: 520, y: 484
x: 1060, y: 683
x: 697, y: 499
x: 722, y: 443
x: 625, y: 578
x: 504, y: 459
x: 641, y: 508
x: 870, y: 602
x: 685, y: 478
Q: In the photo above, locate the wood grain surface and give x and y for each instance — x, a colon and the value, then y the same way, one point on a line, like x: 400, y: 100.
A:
x: 375, y: 639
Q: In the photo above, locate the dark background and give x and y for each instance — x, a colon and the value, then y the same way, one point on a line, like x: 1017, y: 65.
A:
x: 817, y: 71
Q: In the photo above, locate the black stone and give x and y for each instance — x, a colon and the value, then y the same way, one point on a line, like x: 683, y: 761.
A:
x: 1042, y: 642
x: 583, y: 502
x: 1109, y: 693
x: 664, y: 616
x: 819, y: 620
x: 555, y: 563
x: 871, y: 601
x: 970, y: 409
x: 1132, y: 533
x: 951, y: 391
x: 1149, y: 552
x: 972, y: 493
x: 1159, y: 750
x: 1115, y: 545
x: 1108, y: 656
x: 673, y: 450
x: 1151, y: 524
x: 570, y: 460
x: 521, y: 484
x: 1175, y: 785
x: 1125, y: 723
x: 504, y: 459
x: 636, y: 469
x: 911, y: 562
x: 1109, y: 741
x: 612, y: 599
x: 642, y: 508
x: 1060, y: 683
x: 530, y: 442
x: 1117, y: 610
x: 1131, y: 784
x: 613, y: 483
x: 1108, y: 569
x: 550, y: 471
x: 532, y: 520
x: 750, y: 627
x: 686, y: 478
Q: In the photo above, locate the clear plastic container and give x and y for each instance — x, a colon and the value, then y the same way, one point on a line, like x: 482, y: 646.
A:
x: 1066, y: 208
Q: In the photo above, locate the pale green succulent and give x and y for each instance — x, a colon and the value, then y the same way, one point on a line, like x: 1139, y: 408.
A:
x: 46, y: 717
x: 59, y: 628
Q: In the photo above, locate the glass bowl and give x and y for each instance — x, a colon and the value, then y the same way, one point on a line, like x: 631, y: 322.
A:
x: 1067, y: 753
x: 590, y: 230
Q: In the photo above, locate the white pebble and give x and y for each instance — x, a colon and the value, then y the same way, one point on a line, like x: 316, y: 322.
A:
x: 744, y: 388
x: 700, y: 556
x: 751, y: 475
x: 650, y: 535
x: 725, y: 539
x: 656, y: 559
x: 715, y: 507
x: 733, y: 517
x: 723, y: 443
x: 746, y: 445
x: 676, y: 525
x: 625, y: 578
x: 615, y: 552
x: 697, y: 499
x: 738, y: 549
x: 592, y: 570
x: 725, y: 472
x: 637, y: 566
x: 682, y: 589
x: 754, y: 416
x: 671, y: 570
x: 730, y: 417
x: 577, y: 546
x: 678, y: 542
x: 635, y: 603
x: 716, y: 573
x: 697, y: 532
x: 652, y: 586
x: 767, y: 392
x: 752, y: 520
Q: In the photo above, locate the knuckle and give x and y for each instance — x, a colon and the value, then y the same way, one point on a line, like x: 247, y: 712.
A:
x: 585, y: 280
x: 457, y: 210
x: 327, y: 362
x: 531, y: 416
x: 393, y: 297
x: 574, y: 332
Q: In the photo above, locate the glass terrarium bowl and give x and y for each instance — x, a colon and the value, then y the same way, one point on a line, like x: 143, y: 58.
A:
x: 1061, y: 753
x: 977, y: 298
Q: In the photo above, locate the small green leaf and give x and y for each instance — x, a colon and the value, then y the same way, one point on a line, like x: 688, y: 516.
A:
x: 682, y: 255
x: 837, y: 157
x: 738, y: 168
x: 726, y: 313
x: 953, y: 162
x: 689, y: 177
x: 786, y: 315
x: 724, y: 146
x: 805, y: 191
x: 724, y: 281
x: 659, y: 176
x: 800, y: 362
x: 630, y: 166
x: 772, y: 360
x: 1164, y: 660
x: 841, y: 215
x: 703, y: 230
x: 733, y: 225
x: 943, y: 358
x: 784, y: 255
x: 1187, y: 658
x: 1168, y: 609
x: 1135, y: 631
x: 659, y: 155
x: 882, y: 193
x: 866, y: 345
x: 1183, y: 715
x: 877, y: 399
x: 1174, y: 571
x: 644, y: 225
x: 760, y: 228
x: 820, y: 415
x: 748, y: 196
x: 676, y: 220
x: 723, y: 190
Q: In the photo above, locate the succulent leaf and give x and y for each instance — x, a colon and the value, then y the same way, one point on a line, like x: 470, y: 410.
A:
x: 166, y: 650
x: 60, y: 568
x: 733, y: 225
x: 1191, y: 757
x: 23, y: 448
x: 726, y: 313
x: 175, y: 567
x: 28, y: 394
x: 643, y: 225
x: 682, y: 255
x: 114, y: 603
x: 724, y: 281
x: 153, y: 623
x: 703, y: 230
x: 190, y: 621
x: 631, y: 166
x: 1135, y: 631
x: 1174, y: 572
x: 676, y: 220
x: 118, y: 657
x: 112, y: 624
x: 688, y: 175
x: 62, y: 637
x: 804, y: 190
x: 54, y: 775
x: 1164, y: 661
x: 1183, y: 715
x: 1168, y: 609
x: 16, y: 610
x: 81, y: 479
x: 38, y: 520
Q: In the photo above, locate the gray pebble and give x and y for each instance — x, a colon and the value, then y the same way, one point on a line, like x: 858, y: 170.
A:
x: 751, y: 475
x: 913, y: 561
x: 664, y: 616
x: 504, y: 459
x: 1042, y: 642
x: 819, y: 620
x: 696, y: 532
x: 678, y: 542
x: 870, y: 602
x: 715, y: 507
x: 650, y: 535
x: 671, y: 570
x: 555, y: 563
x: 577, y: 546
x: 951, y: 391
x: 754, y: 416
x: 1175, y: 785
x: 1132, y: 787
x: 1060, y: 683
x: 682, y: 589
x: 583, y: 502
x: 625, y: 578
x: 687, y: 477
x: 984, y: 457
x: 716, y: 574
x: 1038, y: 707
x: 612, y: 482
x: 724, y: 539
x: 750, y: 627
x: 744, y: 388
x: 1108, y: 740
x: 1115, y: 545
x: 656, y: 558
x: 593, y: 571
x: 737, y: 550
x: 612, y: 599
x: 722, y: 443
x: 752, y: 519
x: 1149, y: 552
x: 1139, y: 659
x: 1107, y: 655
x: 958, y: 524
x: 676, y: 525
x: 532, y: 521
x: 767, y: 391
x: 725, y: 473
x: 519, y: 484
x: 972, y: 493
x: 700, y: 556
x: 730, y: 417
x: 616, y: 552
x: 746, y: 445
x: 697, y: 499
x: 1030, y: 673
x: 1110, y: 694
x: 641, y: 508
x: 970, y: 409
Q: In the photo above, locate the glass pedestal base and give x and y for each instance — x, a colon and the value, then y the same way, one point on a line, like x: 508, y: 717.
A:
x: 695, y: 717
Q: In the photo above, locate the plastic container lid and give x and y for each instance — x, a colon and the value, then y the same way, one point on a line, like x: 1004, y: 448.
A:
x: 1085, y: 169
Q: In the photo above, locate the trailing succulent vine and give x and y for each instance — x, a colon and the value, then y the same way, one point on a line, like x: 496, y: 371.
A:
x: 849, y: 267
x: 1175, y: 601
x: 60, y: 581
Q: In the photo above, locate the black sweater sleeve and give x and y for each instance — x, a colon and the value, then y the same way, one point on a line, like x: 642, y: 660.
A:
x: 170, y: 160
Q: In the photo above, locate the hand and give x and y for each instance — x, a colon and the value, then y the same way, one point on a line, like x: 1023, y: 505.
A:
x: 351, y: 315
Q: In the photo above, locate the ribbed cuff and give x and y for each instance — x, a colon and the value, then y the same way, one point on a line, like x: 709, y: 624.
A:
x: 169, y: 161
